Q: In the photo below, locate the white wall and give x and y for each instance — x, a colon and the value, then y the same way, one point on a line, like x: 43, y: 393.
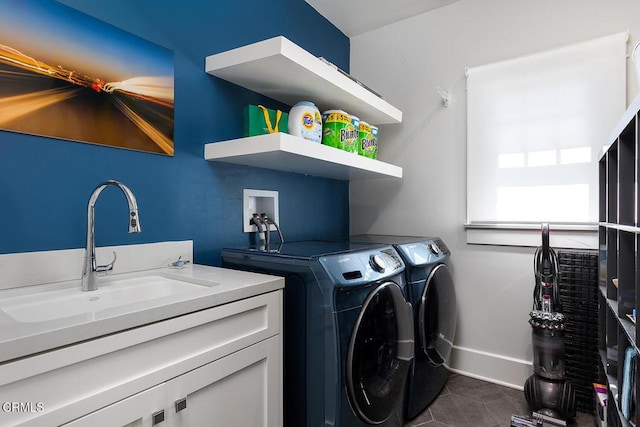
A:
x: 405, y: 62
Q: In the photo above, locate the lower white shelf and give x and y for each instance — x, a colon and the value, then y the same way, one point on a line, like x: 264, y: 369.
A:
x: 288, y: 153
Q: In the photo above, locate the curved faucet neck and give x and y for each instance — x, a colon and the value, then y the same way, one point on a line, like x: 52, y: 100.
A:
x: 89, y: 268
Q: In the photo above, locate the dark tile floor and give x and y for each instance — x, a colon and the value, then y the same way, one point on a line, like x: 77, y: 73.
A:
x: 468, y: 402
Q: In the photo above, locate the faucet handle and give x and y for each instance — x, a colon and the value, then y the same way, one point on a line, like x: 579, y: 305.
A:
x: 179, y: 263
x: 104, y: 269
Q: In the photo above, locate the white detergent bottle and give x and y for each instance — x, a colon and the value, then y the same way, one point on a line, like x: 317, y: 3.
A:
x: 305, y: 121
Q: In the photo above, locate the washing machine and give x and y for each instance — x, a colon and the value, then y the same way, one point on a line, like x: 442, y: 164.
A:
x: 431, y: 292
x: 348, y: 330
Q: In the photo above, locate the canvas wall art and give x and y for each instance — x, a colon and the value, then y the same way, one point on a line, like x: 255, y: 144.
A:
x: 64, y: 74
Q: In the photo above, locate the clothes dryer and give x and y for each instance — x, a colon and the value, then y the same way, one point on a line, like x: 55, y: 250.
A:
x: 432, y: 295
x: 348, y: 330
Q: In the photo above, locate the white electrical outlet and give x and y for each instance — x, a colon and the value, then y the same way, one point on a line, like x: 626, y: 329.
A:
x: 259, y: 201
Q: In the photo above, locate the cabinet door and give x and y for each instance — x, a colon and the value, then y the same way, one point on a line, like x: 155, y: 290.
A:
x: 145, y: 409
x: 242, y: 389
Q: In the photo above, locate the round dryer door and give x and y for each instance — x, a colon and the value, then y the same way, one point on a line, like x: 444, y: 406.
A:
x: 380, y: 353
x: 437, y: 316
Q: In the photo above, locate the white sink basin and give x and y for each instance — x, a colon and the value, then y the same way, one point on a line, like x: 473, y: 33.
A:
x: 112, y: 296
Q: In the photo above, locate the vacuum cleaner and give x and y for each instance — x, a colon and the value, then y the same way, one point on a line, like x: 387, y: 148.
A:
x: 548, y: 391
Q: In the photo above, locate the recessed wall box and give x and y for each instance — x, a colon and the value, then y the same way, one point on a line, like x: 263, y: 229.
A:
x: 259, y: 201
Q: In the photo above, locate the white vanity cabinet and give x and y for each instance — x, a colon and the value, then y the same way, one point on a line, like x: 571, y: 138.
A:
x: 218, y: 366
x: 135, y: 411
x: 238, y: 390
x: 245, y: 390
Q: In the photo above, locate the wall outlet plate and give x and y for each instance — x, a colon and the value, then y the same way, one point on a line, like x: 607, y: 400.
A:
x: 259, y: 201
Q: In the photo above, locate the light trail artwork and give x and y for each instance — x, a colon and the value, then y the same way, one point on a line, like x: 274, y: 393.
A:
x: 67, y: 75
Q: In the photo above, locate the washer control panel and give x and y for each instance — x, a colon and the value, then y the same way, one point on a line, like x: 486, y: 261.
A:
x: 363, y: 266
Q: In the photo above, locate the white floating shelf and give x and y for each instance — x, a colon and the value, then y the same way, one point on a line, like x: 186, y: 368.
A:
x: 282, y: 70
x: 284, y: 152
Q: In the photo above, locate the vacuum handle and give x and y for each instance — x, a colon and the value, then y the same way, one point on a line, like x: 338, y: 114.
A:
x: 546, y: 271
x: 545, y: 241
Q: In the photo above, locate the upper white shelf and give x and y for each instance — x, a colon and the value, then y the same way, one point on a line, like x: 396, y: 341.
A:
x: 284, y: 152
x: 282, y: 70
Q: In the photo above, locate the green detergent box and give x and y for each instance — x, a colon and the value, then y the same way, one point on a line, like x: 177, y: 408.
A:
x: 259, y: 120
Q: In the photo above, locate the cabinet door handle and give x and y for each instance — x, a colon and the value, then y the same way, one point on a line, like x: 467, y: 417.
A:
x: 157, y: 417
x: 181, y: 404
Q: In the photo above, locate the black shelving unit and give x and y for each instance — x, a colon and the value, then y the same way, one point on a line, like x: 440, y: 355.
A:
x: 578, y: 289
x: 619, y: 272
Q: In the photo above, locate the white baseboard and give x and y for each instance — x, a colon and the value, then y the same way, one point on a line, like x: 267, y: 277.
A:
x: 491, y: 367
x: 36, y: 268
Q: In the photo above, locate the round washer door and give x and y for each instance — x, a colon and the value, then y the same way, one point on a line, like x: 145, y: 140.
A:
x: 379, y: 354
x: 437, y: 316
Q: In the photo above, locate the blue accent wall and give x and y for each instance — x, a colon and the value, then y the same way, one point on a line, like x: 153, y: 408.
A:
x: 45, y: 183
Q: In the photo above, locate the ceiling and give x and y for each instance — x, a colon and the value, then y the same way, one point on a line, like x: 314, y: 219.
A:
x: 355, y: 17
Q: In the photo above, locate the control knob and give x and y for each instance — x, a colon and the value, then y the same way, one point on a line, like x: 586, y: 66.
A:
x: 434, y: 248
x: 377, y: 263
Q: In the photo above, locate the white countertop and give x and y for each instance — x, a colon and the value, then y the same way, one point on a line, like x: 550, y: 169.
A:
x: 221, y: 286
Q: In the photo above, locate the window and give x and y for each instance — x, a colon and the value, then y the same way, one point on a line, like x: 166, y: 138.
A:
x: 535, y: 129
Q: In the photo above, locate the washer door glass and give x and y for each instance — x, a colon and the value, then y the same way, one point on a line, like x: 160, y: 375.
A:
x: 437, y: 316
x: 380, y: 353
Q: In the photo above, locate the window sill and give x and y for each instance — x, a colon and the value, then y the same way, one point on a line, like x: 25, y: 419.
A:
x: 573, y: 236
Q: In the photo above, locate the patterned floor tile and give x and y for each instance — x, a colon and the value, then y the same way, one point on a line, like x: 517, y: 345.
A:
x: 468, y: 402
x: 459, y: 411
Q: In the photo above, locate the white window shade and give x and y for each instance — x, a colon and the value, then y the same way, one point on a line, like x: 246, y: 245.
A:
x: 535, y: 126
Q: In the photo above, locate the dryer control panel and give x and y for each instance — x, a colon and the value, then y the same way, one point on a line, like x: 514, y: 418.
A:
x: 424, y: 253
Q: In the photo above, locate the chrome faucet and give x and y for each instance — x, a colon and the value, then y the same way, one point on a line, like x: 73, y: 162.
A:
x: 89, y: 269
